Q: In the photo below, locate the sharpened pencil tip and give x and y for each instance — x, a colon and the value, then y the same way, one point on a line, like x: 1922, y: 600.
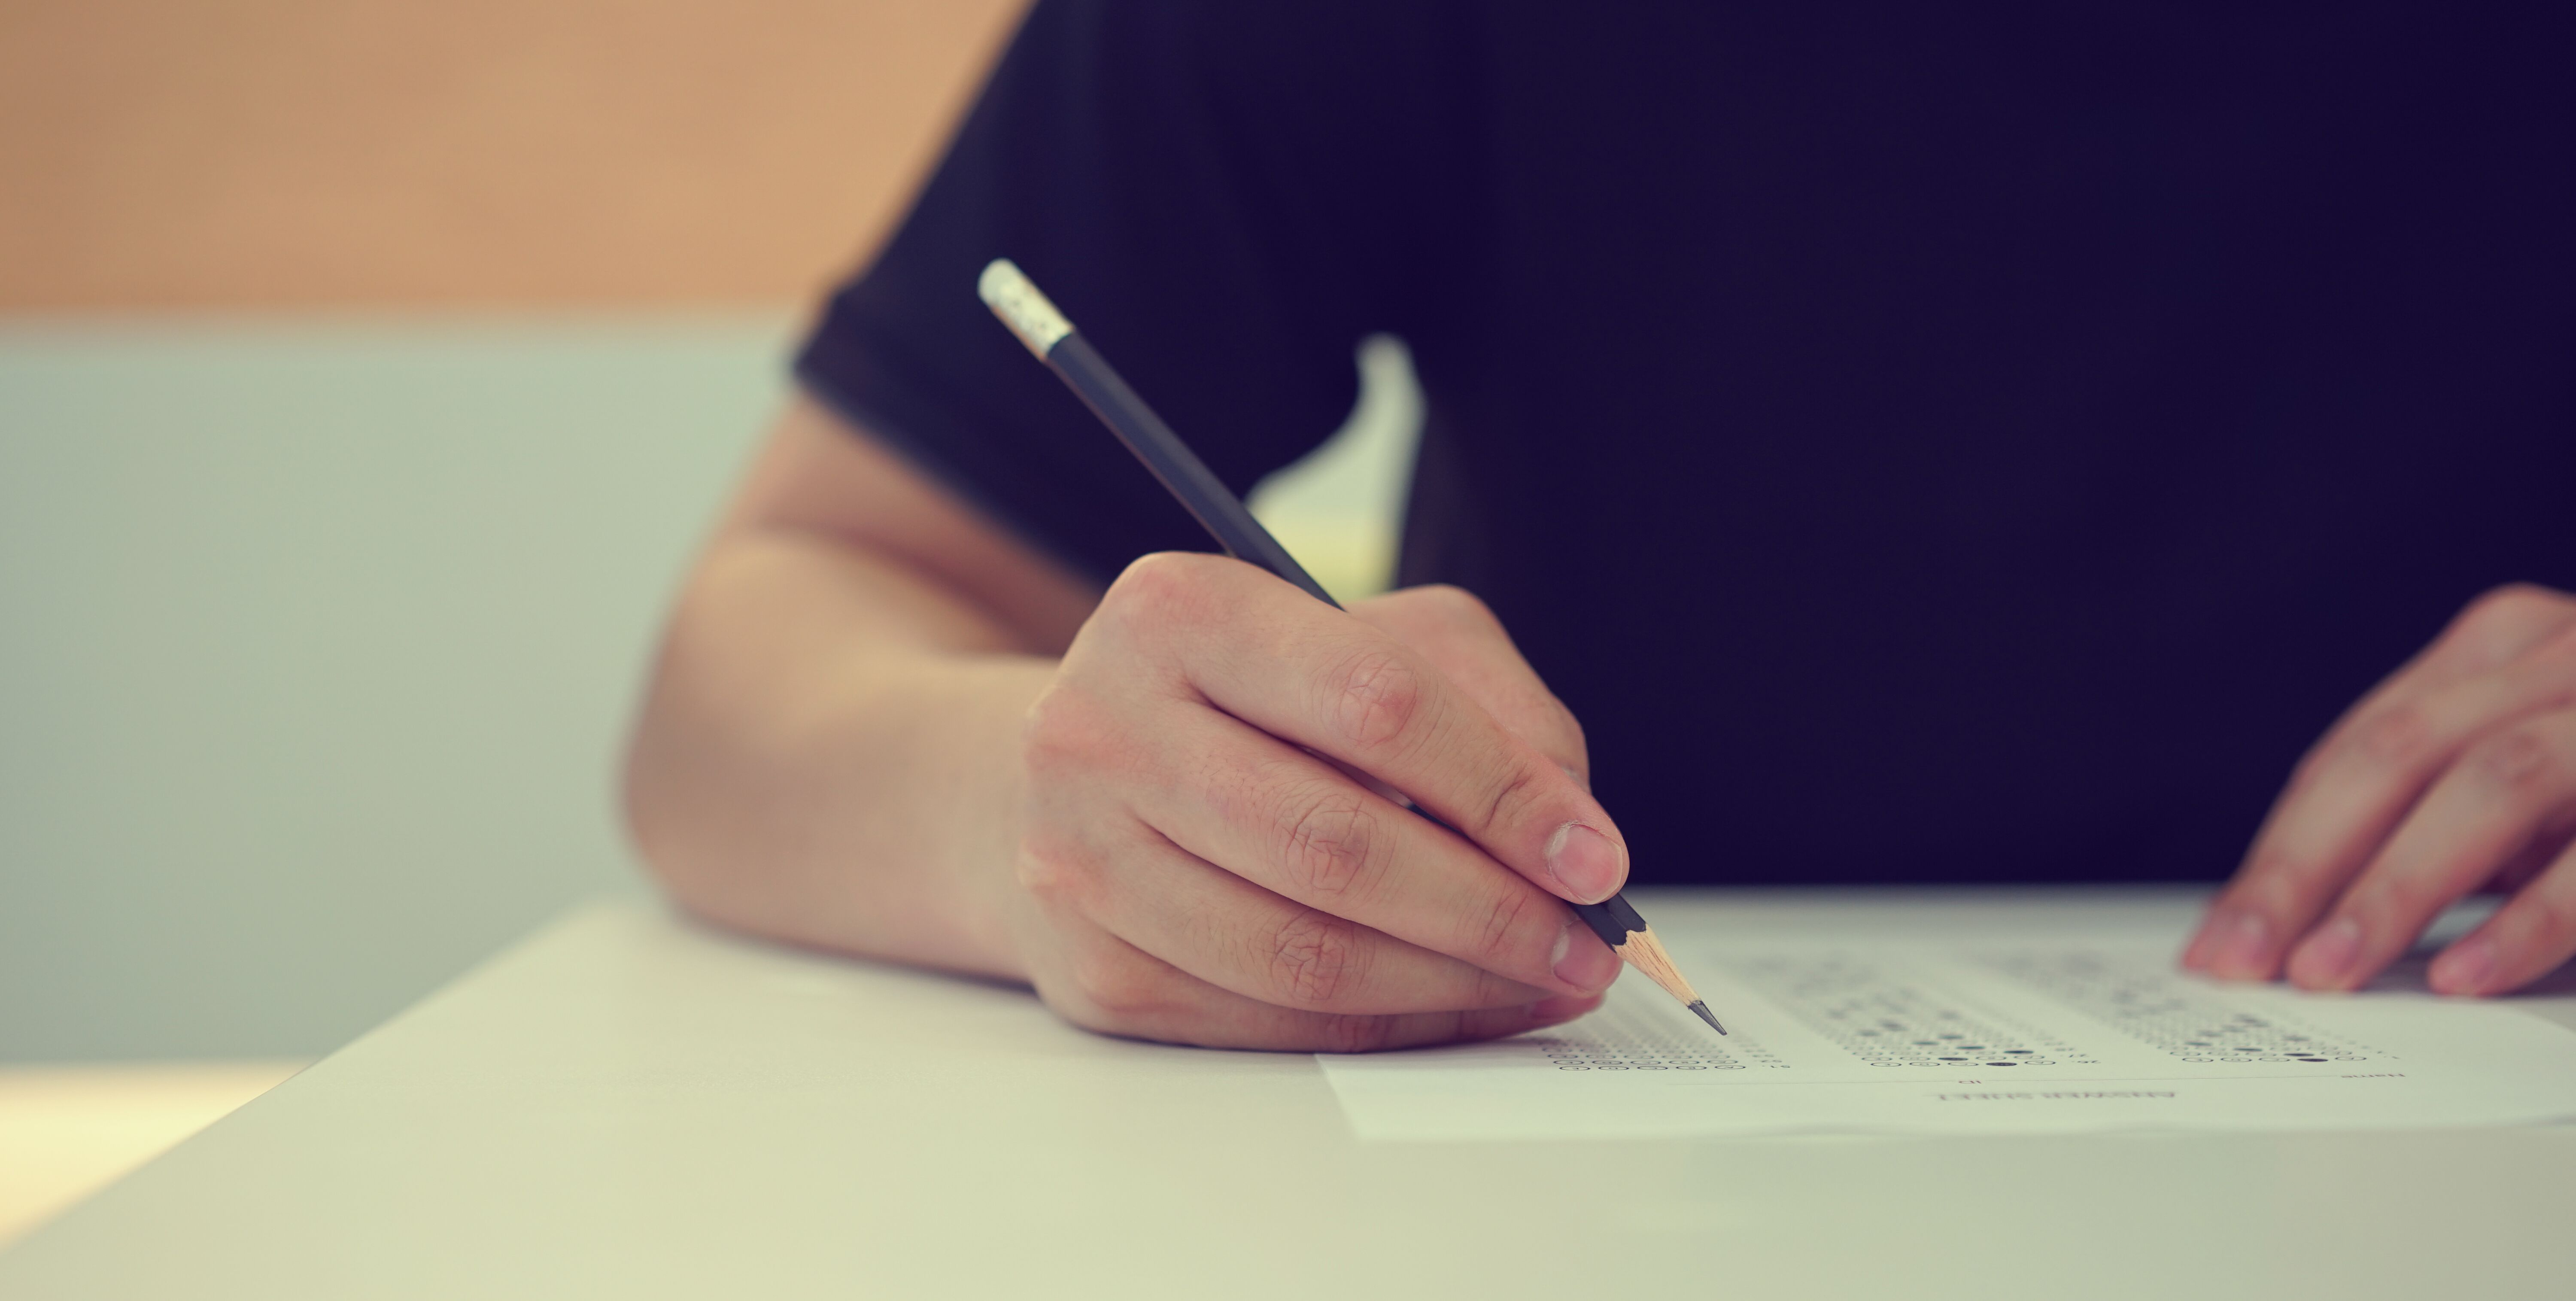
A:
x: 1701, y: 1007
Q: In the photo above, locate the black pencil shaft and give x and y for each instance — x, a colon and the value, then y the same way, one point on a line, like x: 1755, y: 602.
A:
x: 1216, y: 508
x: 1611, y: 919
x: 1203, y: 494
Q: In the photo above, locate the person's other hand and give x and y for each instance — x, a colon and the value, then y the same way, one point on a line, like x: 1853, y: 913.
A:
x: 1197, y: 871
x: 2457, y: 773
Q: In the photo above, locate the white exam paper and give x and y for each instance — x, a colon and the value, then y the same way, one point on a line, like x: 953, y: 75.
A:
x: 2008, y: 1034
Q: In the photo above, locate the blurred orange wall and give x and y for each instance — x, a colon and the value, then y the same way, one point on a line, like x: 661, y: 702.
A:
x: 268, y: 153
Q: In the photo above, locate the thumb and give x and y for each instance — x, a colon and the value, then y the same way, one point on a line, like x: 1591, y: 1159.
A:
x: 1463, y: 639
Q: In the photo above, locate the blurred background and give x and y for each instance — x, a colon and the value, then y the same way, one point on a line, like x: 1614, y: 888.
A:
x: 368, y: 369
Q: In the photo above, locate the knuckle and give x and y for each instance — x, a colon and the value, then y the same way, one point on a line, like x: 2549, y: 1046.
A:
x: 2512, y: 604
x: 2396, y: 899
x: 1062, y: 730
x: 2555, y: 654
x: 1553, y: 730
x: 1052, y: 869
x: 1500, y: 934
x: 1328, y: 839
x: 1513, y: 794
x: 1455, y: 604
x: 1569, y: 730
x: 1315, y: 958
x: 2518, y: 759
x: 1377, y: 697
x: 2400, y: 736
x: 1158, y: 588
x: 1150, y: 578
x: 2502, y: 616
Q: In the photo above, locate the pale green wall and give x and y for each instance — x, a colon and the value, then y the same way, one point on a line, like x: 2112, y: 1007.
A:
x: 317, y: 639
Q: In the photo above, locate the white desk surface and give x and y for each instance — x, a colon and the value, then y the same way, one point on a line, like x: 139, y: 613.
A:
x: 625, y: 1106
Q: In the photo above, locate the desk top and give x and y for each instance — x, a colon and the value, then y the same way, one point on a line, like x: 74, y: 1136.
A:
x: 625, y: 1105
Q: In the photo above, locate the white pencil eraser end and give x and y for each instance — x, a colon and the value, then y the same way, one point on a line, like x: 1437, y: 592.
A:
x: 1008, y: 291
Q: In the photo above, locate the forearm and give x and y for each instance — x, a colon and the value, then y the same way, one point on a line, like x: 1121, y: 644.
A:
x: 828, y: 753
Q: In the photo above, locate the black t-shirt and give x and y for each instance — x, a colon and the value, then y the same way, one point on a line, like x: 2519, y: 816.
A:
x: 1920, y: 442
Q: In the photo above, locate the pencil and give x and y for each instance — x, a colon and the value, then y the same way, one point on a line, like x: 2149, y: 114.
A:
x: 1052, y: 338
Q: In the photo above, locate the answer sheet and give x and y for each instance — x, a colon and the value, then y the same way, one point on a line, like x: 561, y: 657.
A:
x: 2006, y: 1033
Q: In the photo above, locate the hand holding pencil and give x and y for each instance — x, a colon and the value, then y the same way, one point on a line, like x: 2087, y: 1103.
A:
x: 1267, y: 888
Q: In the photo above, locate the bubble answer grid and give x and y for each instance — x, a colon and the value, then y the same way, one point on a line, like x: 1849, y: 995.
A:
x: 1618, y: 1038
x: 2161, y: 1010
x: 1888, y: 1022
x: 1855, y: 1022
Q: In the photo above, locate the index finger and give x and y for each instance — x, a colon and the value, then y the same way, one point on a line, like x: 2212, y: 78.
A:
x: 2508, y: 654
x: 1315, y: 676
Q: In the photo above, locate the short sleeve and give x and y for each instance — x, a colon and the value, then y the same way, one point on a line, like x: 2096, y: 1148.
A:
x: 1195, y: 184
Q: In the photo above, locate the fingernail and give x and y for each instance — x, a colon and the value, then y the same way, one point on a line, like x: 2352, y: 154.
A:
x: 2465, y: 968
x: 1589, y: 967
x: 2324, y: 959
x: 2245, y: 949
x: 1584, y: 862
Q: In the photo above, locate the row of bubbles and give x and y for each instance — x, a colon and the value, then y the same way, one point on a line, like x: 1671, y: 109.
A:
x: 1887, y: 1022
x: 2159, y: 1009
x: 1619, y: 1038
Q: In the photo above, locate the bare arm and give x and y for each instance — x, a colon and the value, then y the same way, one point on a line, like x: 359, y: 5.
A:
x: 850, y: 654
x: 881, y: 725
